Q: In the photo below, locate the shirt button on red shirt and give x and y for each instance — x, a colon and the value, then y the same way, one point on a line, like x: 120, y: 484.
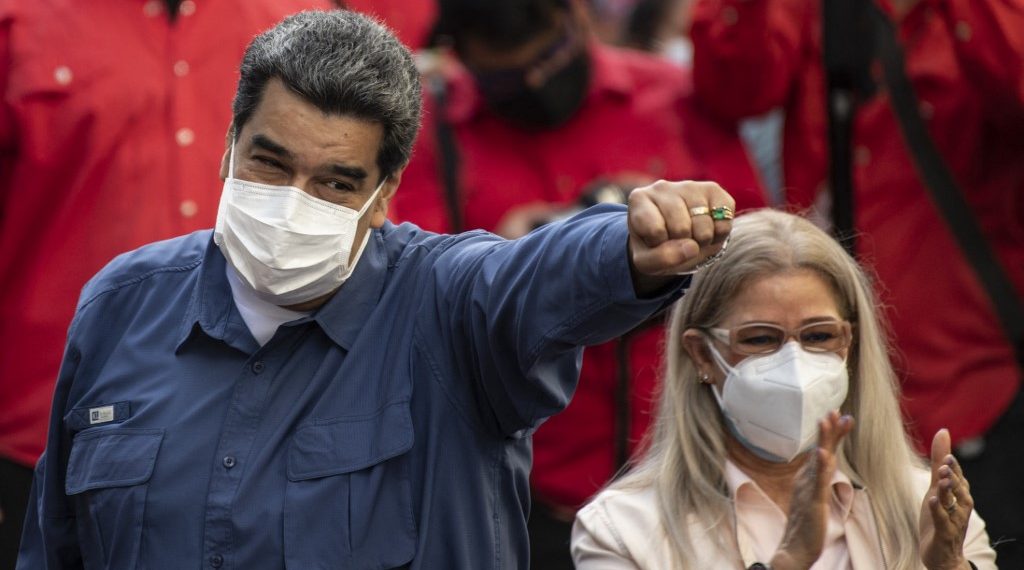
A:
x: 187, y: 8
x: 184, y: 136
x: 62, y: 75
x: 153, y: 8
x: 181, y: 68
x: 862, y: 155
x: 188, y: 208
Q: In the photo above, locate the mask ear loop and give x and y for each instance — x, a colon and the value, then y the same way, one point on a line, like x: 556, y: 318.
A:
x: 719, y: 359
x: 231, y: 159
x: 373, y: 197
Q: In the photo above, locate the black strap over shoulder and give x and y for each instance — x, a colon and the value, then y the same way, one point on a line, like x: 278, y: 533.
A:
x: 449, y: 154
x: 947, y: 196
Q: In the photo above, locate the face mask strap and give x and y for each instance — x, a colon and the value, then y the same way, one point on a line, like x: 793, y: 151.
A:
x: 373, y: 197
x: 231, y: 159
x: 719, y: 359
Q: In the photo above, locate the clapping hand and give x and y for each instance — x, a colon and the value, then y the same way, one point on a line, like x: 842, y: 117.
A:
x: 945, y: 511
x: 804, y: 537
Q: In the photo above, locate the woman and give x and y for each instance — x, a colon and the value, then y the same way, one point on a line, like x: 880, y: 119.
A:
x: 765, y: 351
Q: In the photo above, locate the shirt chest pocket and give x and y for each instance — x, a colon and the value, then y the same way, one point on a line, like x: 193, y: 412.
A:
x: 348, y: 499
x: 108, y: 475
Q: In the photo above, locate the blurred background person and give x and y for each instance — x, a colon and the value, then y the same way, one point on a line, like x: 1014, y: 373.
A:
x: 516, y: 133
x: 96, y: 99
x: 751, y: 465
x: 965, y: 62
x: 662, y: 27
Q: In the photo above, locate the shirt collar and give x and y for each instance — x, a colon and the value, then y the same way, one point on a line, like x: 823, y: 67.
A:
x: 842, y: 487
x: 210, y: 304
x: 348, y: 311
x: 607, y: 77
x: 212, y: 307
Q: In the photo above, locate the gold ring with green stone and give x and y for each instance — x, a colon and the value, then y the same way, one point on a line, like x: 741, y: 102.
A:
x: 722, y: 213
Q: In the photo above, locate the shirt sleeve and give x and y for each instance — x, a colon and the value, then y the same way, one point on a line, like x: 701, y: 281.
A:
x: 746, y: 53
x: 512, y: 315
x: 597, y: 543
x: 49, y: 539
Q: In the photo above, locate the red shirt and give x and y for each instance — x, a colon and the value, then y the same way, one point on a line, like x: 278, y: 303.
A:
x: 112, y: 126
x: 638, y: 117
x: 965, y: 59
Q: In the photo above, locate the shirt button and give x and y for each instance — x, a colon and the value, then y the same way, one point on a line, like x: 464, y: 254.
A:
x: 188, y: 208
x: 258, y: 366
x: 926, y: 109
x: 153, y: 8
x: 730, y: 16
x: 184, y: 136
x: 216, y: 561
x: 62, y: 75
x: 229, y: 462
x: 187, y: 8
x: 963, y: 31
x: 862, y: 155
x: 181, y: 68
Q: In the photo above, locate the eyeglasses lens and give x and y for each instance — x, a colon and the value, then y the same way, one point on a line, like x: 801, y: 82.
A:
x: 766, y: 339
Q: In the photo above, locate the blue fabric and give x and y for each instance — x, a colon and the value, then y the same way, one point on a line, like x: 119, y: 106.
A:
x: 388, y: 429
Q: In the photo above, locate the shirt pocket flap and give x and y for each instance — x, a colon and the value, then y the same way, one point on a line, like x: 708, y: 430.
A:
x: 347, y: 444
x: 112, y: 458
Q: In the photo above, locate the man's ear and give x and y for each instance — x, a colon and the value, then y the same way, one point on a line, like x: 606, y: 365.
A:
x: 387, y: 192
x: 225, y: 160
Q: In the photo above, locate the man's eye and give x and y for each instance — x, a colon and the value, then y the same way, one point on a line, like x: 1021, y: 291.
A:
x: 267, y: 162
x: 338, y: 186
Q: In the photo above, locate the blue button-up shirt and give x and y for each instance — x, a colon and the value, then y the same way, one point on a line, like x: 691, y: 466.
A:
x: 388, y: 429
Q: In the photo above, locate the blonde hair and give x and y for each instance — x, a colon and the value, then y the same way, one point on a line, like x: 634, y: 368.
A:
x: 685, y: 460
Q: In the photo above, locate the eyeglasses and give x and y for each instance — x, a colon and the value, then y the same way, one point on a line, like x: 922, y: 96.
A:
x: 764, y: 338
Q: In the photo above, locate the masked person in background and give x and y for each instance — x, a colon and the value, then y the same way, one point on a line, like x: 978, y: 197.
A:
x: 751, y: 464
x: 534, y: 118
x: 311, y: 386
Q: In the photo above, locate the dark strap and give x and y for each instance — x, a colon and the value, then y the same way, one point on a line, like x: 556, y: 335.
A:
x: 449, y: 159
x: 948, y: 197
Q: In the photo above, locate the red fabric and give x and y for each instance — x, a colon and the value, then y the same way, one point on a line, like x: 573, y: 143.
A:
x: 965, y: 59
x: 93, y: 161
x: 412, y: 22
x: 639, y: 117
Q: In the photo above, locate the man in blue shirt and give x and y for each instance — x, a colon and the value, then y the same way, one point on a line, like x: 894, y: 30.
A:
x: 309, y: 386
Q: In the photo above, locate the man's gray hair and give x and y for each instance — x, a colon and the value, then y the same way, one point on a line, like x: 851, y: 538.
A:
x: 344, y: 63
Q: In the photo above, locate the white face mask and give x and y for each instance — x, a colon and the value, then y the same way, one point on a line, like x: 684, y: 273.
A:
x: 287, y: 245
x: 772, y: 403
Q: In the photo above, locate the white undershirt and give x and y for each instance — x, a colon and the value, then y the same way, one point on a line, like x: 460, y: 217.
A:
x: 260, y: 316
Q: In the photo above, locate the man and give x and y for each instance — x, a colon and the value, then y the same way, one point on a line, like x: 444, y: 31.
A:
x: 543, y: 118
x: 112, y: 116
x: 965, y: 62
x: 310, y: 386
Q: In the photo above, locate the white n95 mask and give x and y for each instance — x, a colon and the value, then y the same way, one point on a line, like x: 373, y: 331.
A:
x: 287, y: 245
x: 772, y: 403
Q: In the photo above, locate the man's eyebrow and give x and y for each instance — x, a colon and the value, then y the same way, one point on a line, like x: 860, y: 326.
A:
x: 264, y: 142
x: 353, y: 172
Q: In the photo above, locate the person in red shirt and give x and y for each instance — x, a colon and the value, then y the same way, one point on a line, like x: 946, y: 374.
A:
x: 544, y: 119
x: 112, y: 115
x: 965, y: 60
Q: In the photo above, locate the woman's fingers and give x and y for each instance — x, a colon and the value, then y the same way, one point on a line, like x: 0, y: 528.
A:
x: 947, y: 509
